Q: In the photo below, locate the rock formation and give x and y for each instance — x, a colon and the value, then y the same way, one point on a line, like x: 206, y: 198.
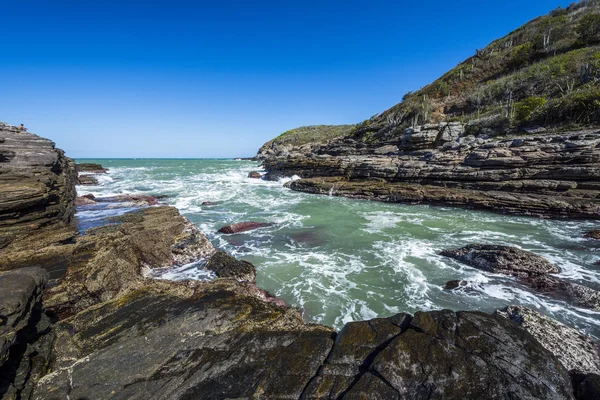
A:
x: 243, y: 227
x: 550, y: 175
x: 531, y: 269
x: 106, y: 329
x: 37, y: 192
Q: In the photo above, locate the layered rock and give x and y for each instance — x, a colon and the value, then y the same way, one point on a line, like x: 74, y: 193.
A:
x: 577, y: 352
x: 550, y: 174
x: 531, y: 269
x: 25, y: 334
x: 115, y: 258
x: 37, y: 192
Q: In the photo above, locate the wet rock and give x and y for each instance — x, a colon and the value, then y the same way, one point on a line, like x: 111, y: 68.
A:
x: 577, y: 352
x: 455, y: 284
x: 502, y: 259
x: 84, y: 201
x: 91, y: 168
x: 355, y: 347
x: 254, y: 175
x: 226, y: 266
x: 243, y: 227
x: 595, y: 234
x: 210, y: 203
x: 442, y: 354
x: 111, y: 260
x: 187, y: 340
x: 87, y: 180
x: 131, y: 199
x: 571, y: 292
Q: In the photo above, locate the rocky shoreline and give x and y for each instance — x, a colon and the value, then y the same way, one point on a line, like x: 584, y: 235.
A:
x: 550, y: 175
x: 82, y: 317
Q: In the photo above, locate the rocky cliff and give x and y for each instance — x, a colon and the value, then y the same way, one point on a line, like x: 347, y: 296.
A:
x: 37, y: 193
x: 473, y: 138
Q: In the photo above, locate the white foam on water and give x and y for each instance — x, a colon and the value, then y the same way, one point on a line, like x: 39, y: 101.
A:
x: 393, y: 267
x: 194, y: 271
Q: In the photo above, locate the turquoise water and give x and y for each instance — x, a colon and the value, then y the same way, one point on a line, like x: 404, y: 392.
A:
x: 341, y: 260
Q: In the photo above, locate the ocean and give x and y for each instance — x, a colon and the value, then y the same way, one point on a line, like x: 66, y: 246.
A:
x: 342, y: 260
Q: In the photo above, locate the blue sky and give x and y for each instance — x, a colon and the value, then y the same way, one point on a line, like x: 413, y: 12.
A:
x: 218, y: 79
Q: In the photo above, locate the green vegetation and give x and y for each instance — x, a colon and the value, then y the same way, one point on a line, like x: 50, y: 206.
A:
x: 525, y: 108
x: 313, y: 134
x: 545, y: 72
x: 589, y: 29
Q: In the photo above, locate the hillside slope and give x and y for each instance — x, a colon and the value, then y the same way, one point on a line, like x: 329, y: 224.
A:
x: 513, y: 129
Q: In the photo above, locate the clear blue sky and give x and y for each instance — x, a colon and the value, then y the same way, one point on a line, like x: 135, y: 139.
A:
x: 174, y: 78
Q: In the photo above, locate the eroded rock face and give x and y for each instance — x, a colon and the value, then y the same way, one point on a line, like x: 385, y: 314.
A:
x: 502, y: 259
x: 577, y: 352
x: 544, y: 174
x: 110, y: 260
x: 37, y: 192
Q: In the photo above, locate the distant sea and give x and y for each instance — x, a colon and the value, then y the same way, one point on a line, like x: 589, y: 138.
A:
x: 342, y: 260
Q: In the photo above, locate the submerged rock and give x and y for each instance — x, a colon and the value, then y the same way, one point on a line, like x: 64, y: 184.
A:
x: 226, y: 266
x: 244, y: 226
x: 254, y: 175
x: 577, y: 352
x: 455, y: 284
x: 502, y: 259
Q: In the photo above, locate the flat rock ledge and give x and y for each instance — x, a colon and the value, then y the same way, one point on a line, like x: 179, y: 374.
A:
x: 551, y: 175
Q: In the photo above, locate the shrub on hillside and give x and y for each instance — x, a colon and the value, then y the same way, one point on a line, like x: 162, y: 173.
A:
x: 581, y: 107
x: 588, y: 29
x: 525, y: 108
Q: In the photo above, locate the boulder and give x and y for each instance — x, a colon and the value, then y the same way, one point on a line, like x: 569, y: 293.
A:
x: 254, y: 175
x: 243, y: 227
x: 226, y: 266
x: 502, y: 259
x: 210, y: 203
x: 577, y: 352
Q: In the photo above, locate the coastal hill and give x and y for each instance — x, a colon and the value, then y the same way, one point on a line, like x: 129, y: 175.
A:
x: 514, y: 129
